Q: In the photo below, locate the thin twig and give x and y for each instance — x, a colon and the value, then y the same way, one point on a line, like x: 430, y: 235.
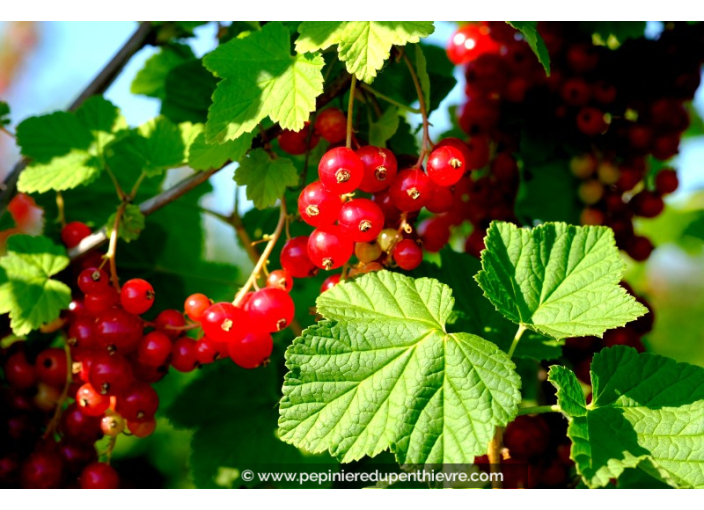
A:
x: 425, y: 144
x: 350, y: 111
x: 112, y: 249
x: 61, y: 218
x: 389, y: 100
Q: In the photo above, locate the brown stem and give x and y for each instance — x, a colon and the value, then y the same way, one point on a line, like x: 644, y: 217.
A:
x: 350, y: 112
x: 141, y: 37
x: 51, y: 428
x: 425, y: 144
x: 494, y: 455
x: 112, y: 249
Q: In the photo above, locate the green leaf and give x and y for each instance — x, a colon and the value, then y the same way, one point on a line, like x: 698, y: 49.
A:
x: 266, y: 179
x: 384, y: 128
x: 27, y: 291
x: 187, y: 92
x: 557, y: 279
x: 150, y: 80
x: 386, y: 375
x: 261, y: 78
x: 403, y: 141
x: 364, y: 46
x: 647, y: 412
x: 422, y: 72
x: 237, y: 430
x: 4, y: 114
x: 204, y: 156
x: 621, y: 30
x: 67, y: 149
x: 548, y: 192
x: 529, y: 29
x: 131, y: 223
x: 154, y: 147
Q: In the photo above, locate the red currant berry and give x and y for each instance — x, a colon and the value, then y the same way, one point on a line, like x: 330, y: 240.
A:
x: 367, y: 252
x: 330, y: 282
x: 99, y: 476
x: 208, y: 350
x: 329, y: 247
x: 270, y: 310
x: 361, y: 220
x: 75, y: 424
x: 380, y: 168
x: 295, y: 260
x: 341, y: 170
x: 475, y: 243
x: 112, y: 424
x: 604, y: 93
x: 410, y: 189
x: 169, y: 322
x: 19, y: 373
x: 110, y: 374
x: 252, y: 350
x: 639, y: 248
x: 154, y: 349
x: 183, y: 354
x: 435, y: 233
x: 117, y: 331
x: 42, y: 470
x: 90, y: 402
x: 50, y: 367
x: 97, y: 303
x: 296, y: 142
x: 83, y: 360
x: 666, y: 181
x: 590, y: 121
x: 527, y: 436
x: 576, y: 92
x: 137, y: 296
x: 647, y: 204
x: 73, y: 233
x: 383, y: 200
x: 76, y: 308
x: 469, y: 42
x: 148, y: 374
x: 76, y: 455
x: 331, y: 124
x: 195, y: 306
x: 318, y: 205
x: 280, y: 279
x: 439, y: 199
x: 407, y: 254
x: 446, y: 166
x: 93, y: 281
x: 224, y: 322
x: 142, y: 429
x: 138, y: 403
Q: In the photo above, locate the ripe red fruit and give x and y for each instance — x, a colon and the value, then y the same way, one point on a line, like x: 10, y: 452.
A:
x: 295, y: 260
x: 331, y: 124
x: 361, y: 220
x: 93, y: 281
x: 477, y: 153
x: 318, y: 205
x: 75, y: 424
x: 19, y: 373
x: 252, y: 350
x: 137, y: 296
x: 435, y: 233
x: 117, y: 331
x: 527, y: 436
x: 110, y: 374
x: 666, y: 181
x: 224, y: 322
x: 296, y: 142
x: 478, y: 116
x: 446, y: 166
x: 439, y: 199
x: 475, y: 243
x: 90, y: 402
x: 280, y: 279
x: 76, y: 455
x: 330, y: 282
x: 270, y: 310
x: 469, y: 42
x: 42, y: 470
x: 604, y: 93
x: 329, y: 247
x: 99, y: 476
x: 407, y: 254
x: 410, y: 189
x: 154, y: 349
x: 183, y: 354
x: 142, y: 429
x: 195, y: 306
x: 639, y: 248
x: 340, y: 170
x: 576, y: 92
x: 383, y: 200
x: 73, y: 233
x: 582, y: 57
x: 647, y: 204
x: 380, y: 168
x: 138, y: 403
x: 96, y: 303
x: 590, y: 121
x: 50, y: 367
x: 208, y: 350
x: 168, y: 322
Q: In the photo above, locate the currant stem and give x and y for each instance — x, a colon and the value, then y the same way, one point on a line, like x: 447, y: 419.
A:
x: 494, y: 454
x: 426, y: 143
x: 8, y: 133
x: 516, y: 339
x: 264, y: 257
x: 350, y: 111
x: 51, y: 428
x: 61, y: 218
x: 539, y: 409
x: 112, y: 247
x: 137, y: 184
x: 389, y: 100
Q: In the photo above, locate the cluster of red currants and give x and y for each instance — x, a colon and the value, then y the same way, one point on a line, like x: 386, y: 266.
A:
x: 598, y: 108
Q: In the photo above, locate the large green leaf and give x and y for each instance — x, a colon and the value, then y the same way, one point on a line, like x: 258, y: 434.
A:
x: 266, y: 179
x: 27, y: 291
x: 529, y: 29
x: 364, y: 46
x: 261, y: 78
x: 647, y: 412
x: 188, y: 89
x: 66, y: 149
x: 204, y: 156
x: 556, y: 279
x: 150, y: 80
x: 383, y: 373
